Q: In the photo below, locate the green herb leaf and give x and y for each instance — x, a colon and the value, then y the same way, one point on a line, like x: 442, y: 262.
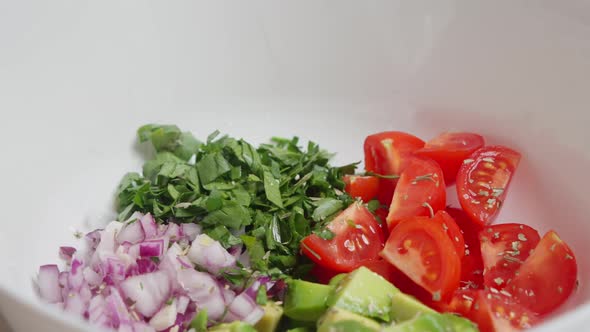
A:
x: 325, y: 208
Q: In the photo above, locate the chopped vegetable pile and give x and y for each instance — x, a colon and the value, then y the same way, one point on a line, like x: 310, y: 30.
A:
x: 267, y: 198
x: 224, y: 236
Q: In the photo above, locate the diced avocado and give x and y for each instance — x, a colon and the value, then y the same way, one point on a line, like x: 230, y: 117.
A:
x: 272, y: 316
x: 306, y: 301
x: 341, y: 320
x: 460, y: 324
x: 434, y: 322
x: 301, y: 329
x: 365, y: 293
x: 429, y: 322
x: 405, y: 307
x: 336, y: 279
x: 236, y: 326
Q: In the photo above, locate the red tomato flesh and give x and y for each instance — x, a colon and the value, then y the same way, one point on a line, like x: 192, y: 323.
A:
x: 504, y: 247
x: 387, y: 153
x: 449, y: 150
x: 471, y: 263
x: 363, y: 187
x: 423, y: 251
x: 357, y: 237
x: 548, y: 276
x: 483, y: 180
x: 419, y: 192
x: 452, y: 229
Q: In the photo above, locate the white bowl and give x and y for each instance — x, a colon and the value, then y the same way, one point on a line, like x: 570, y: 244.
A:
x: 77, y: 79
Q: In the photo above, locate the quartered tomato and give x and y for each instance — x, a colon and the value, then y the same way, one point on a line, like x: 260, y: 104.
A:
x: 547, y: 278
x: 452, y: 229
x: 471, y: 263
x: 357, y: 237
x: 496, y: 312
x: 449, y: 150
x: 504, y: 247
x: 491, y: 311
x: 419, y: 192
x: 323, y: 274
x: 387, y: 153
x: 363, y: 187
x: 423, y: 251
x: 483, y: 179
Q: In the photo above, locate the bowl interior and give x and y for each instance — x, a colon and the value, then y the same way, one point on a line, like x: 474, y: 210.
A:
x: 74, y: 92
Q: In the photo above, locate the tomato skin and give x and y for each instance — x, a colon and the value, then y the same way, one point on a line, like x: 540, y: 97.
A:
x: 453, y: 231
x: 357, y: 237
x: 322, y: 274
x: 387, y: 153
x: 422, y: 182
x: 449, y: 150
x: 363, y: 187
x: 424, y: 252
x: 492, y: 311
x: 471, y: 263
x: 483, y: 180
x: 547, y: 278
x: 504, y: 247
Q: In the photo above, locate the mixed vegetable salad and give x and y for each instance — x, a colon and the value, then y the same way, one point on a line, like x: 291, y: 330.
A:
x: 222, y: 235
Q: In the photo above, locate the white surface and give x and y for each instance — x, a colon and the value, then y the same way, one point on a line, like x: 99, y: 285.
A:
x: 77, y: 78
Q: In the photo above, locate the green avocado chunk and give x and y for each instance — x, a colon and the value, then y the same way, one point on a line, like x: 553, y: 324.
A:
x: 236, y: 326
x: 341, y: 320
x: 433, y: 322
x: 301, y: 329
x: 365, y: 293
x: 336, y: 279
x: 460, y: 324
x: 405, y: 307
x: 306, y: 301
x: 272, y: 316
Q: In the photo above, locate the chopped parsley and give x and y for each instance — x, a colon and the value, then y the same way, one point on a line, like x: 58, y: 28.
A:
x: 267, y: 197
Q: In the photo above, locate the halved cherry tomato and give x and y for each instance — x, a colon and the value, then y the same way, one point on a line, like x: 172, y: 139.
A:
x: 504, y: 247
x: 483, y: 179
x: 363, y: 187
x: 547, y: 278
x: 381, y: 213
x: 357, y: 237
x: 423, y: 251
x: 382, y: 268
x: 471, y: 263
x: 491, y: 311
x: 452, y: 229
x: 387, y: 153
x: 419, y: 192
x: 323, y: 274
x: 449, y: 150
x: 496, y: 312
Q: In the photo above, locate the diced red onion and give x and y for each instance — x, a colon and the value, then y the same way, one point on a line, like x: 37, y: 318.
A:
x: 92, y: 277
x: 252, y: 291
x: 172, y: 232
x: 204, y: 291
x: 182, y: 304
x: 118, y: 284
x: 164, y: 318
x: 191, y: 230
x: 148, y: 291
x: 131, y: 233
x: 97, y: 311
x: 49, y: 284
x: 93, y: 238
x: 244, y: 308
x: 117, y: 308
x: 150, y: 228
x: 153, y: 248
x: 210, y: 255
x: 66, y: 253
